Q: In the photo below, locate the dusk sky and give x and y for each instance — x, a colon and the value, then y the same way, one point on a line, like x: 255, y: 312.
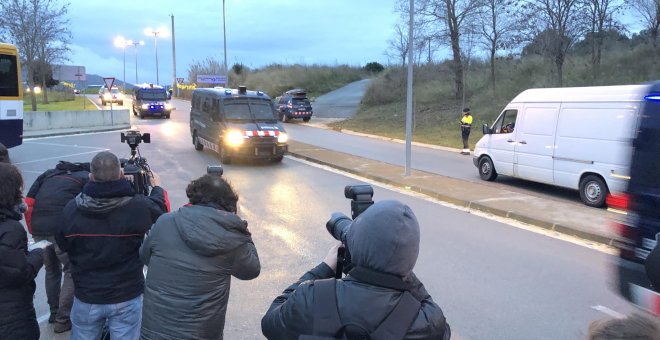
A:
x: 259, y: 33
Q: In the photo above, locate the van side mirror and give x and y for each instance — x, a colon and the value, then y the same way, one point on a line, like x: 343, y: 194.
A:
x: 486, y: 130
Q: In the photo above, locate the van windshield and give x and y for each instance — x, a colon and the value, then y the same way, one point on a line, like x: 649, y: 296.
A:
x: 152, y: 95
x: 241, y: 109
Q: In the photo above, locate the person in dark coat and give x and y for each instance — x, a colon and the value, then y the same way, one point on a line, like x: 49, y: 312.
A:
x: 191, y: 255
x: 384, y: 243
x: 18, y: 266
x: 48, y: 195
x: 102, y: 230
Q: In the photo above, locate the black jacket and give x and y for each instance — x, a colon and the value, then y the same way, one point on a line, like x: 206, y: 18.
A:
x: 50, y: 192
x: 383, y: 239
x: 18, y: 268
x: 102, y: 230
x: 191, y: 256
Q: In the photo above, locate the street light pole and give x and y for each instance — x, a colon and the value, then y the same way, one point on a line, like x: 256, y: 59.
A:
x: 174, y: 84
x: 162, y: 31
x: 122, y: 43
x: 136, y: 44
x: 224, y: 33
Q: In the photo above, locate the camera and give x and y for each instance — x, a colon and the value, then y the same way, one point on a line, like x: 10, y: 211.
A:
x: 361, y: 196
x: 136, y: 168
x: 215, y: 170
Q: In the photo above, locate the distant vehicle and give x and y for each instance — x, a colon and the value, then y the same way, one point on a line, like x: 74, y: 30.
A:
x: 76, y: 91
x: 294, y: 104
x: 151, y: 100
x: 577, y: 138
x: 111, y: 96
x: 638, y: 227
x: 11, y: 97
x: 236, y: 123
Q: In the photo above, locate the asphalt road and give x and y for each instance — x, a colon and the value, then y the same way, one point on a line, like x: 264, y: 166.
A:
x: 493, y: 279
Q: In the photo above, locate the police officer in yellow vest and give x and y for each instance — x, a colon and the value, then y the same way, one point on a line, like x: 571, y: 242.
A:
x: 466, y: 125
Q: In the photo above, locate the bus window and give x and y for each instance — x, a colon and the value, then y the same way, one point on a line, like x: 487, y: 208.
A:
x: 8, y: 76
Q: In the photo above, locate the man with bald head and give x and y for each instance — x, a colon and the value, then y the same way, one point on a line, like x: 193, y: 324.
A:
x: 102, y: 231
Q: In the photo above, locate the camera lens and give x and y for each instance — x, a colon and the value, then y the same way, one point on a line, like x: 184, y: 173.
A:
x: 338, y: 226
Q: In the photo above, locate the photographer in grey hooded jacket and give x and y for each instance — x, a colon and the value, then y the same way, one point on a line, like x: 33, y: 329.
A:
x: 191, y: 255
x: 384, y: 245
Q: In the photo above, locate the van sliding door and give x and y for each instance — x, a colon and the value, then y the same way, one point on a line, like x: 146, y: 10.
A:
x: 535, y: 142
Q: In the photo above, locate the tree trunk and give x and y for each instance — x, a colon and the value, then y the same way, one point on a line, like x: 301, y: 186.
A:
x: 457, y: 64
x: 44, y: 89
x: 30, y: 80
x: 559, y: 63
x: 492, y: 70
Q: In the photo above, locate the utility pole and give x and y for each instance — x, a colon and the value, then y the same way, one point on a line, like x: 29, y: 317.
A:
x: 409, y: 94
x: 174, y: 84
x: 224, y: 33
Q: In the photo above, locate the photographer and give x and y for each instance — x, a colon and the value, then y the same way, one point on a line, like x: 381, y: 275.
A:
x: 384, y: 245
x: 192, y: 254
x: 102, y: 230
x: 18, y: 266
x: 48, y: 195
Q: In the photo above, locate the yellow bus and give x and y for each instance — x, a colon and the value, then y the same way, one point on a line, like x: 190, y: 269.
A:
x: 11, y: 97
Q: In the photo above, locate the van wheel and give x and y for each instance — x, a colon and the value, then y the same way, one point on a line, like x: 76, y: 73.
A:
x: 141, y: 115
x: 306, y: 119
x: 278, y: 159
x: 487, y: 169
x: 224, y: 157
x: 198, y: 145
x: 593, y: 191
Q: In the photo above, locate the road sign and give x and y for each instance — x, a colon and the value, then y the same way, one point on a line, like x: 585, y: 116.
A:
x: 211, y: 79
x: 179, y: 80
x: 109, y: 82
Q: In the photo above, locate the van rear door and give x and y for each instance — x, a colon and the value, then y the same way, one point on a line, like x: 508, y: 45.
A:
x: 535, y: 142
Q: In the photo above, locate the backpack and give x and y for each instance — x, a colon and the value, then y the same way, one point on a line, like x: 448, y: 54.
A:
x: 327, y: 324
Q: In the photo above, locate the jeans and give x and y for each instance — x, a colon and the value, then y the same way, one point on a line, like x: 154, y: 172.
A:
x: 59, y: 293
x: 123, y: 319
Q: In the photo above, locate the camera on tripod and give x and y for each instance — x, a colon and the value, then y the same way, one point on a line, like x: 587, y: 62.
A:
x: 361, y: 196
x: 136, y: 168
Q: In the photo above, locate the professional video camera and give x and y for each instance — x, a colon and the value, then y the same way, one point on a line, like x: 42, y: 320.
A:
x: 136, y: 167
x: 361, y: 198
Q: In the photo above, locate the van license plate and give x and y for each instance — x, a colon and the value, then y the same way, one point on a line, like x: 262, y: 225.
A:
x: 263, y: 151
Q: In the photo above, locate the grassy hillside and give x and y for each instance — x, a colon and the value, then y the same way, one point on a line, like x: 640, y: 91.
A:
x: 437, y: 113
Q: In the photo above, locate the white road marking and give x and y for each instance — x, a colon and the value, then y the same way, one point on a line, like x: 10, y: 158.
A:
x: 609, y: 311
x: 518, y: 198
x: 604, y: 248
x: 43, y: 318
x: 60, y: 157
x: 72, y: 135
x: 67, y: 145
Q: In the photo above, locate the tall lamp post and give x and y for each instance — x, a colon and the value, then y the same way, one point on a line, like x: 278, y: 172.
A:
x: 162, y: 31
x: 135, y: 44
x: 122, y: 43
x: 224, y: 33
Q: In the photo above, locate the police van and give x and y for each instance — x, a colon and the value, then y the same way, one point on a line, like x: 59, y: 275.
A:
x: 236, y: 123
x: 151, y: 100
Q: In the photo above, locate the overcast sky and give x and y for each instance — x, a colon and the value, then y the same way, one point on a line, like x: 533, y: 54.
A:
x: 259, y: 33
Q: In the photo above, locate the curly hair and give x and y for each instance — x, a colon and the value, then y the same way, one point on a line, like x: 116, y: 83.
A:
x: 4, y: 154
x: 212, y: 189
x: 11, y: 186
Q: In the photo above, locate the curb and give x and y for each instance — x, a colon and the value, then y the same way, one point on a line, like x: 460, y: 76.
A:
x: 41, y: 133
x: 470, y: 205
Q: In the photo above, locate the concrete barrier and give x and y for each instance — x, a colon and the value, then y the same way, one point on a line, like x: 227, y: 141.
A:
x: 45, y: 120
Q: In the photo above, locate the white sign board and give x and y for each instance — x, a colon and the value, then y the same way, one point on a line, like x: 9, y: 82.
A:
x: 211, y: 79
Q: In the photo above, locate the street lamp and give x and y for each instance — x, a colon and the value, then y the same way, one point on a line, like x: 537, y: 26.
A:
x: 122, y: 43
x: 135, y: 44
x: 162, y: 31
x: 224, y: 40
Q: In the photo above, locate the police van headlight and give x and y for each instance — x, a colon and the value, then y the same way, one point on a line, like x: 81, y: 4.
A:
x: 282, y: 137
x: 145, y: 106
x: 168, y: 106
x: 234, y: 138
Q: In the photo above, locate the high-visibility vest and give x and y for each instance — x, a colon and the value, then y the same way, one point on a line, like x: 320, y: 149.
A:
x: 467, y: 120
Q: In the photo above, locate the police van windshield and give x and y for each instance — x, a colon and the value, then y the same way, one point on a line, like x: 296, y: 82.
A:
x: 152, y: 95
x: 256, y: 110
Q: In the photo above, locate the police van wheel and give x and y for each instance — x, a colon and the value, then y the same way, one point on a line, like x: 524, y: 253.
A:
x: 486, y: 169
x: 198, y: 145
x: 224, y: 157
x: 593, y: 191
x: 141, y: 115
x: 167, y: 116
x: 278, y: 159
x: 306, y: 119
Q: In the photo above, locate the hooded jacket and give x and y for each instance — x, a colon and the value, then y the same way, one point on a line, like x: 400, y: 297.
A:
x: 18, y: 268
x: 383, y: 239
x: 102, y: 230
x: 50, y: 192
x: 191, y: 255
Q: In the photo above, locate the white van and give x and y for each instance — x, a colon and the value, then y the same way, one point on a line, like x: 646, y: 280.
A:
x: 578, y: 138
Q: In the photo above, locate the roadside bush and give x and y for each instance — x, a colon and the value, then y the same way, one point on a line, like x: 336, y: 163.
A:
x: 374, y: 67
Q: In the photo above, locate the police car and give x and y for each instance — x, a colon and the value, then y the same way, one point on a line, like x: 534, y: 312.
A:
x: 236, y: 123
x: 151, y: 100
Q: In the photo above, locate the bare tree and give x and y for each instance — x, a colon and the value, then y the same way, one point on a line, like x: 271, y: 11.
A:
x: 209, y: 65
x: 26, y: 22
x: 559, y: 23
x: 500, y: 28
x: 449, y: 16
x: 601, y: 16
x: 54, y: 40
x: 398, y: 44
x: 649, y: 12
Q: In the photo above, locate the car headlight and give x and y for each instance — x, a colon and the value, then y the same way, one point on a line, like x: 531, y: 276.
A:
x: 282, y: 138
x: 234, y: 138
x: 107, y: 96
x: 145, y: 106
x: 168, y: 106
x: 120, y: 96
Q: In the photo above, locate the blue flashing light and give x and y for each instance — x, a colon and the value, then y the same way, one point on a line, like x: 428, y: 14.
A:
x: 228, y: 91
x: 260, y: 93
x: 655, y: 97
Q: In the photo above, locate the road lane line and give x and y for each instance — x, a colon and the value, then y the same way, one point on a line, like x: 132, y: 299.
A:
x: 75, y: 134
x: 60, y: 157
x: 604, y: 248
x: 43, y: 318
x: 67, y: 145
